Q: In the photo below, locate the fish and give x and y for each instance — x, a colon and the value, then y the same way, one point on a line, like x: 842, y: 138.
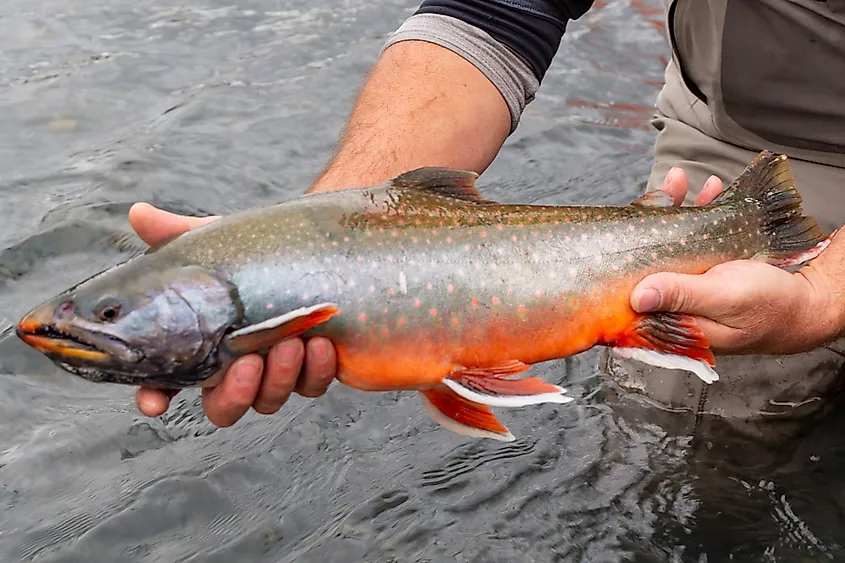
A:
x: 422, y: 285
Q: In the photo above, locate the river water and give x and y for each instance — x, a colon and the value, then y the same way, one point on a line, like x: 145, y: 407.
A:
x: 213, y: 106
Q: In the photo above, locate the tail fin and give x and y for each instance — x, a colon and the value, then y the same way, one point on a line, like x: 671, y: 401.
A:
x: 794, y: 237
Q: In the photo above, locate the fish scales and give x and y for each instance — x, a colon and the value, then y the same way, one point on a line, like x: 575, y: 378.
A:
x: 448, y: 278
x: 421, y: 284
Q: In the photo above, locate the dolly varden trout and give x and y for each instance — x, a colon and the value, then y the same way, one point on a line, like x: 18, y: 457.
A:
x: 421, y: 284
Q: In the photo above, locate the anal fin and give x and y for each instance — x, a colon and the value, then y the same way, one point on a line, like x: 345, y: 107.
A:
x: 272, y: 331
x: 461, y: 416
x: 669, y: 340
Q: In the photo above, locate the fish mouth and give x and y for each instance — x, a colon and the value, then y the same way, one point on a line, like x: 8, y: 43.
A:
x: 55, y: 342
x: 81, y: 345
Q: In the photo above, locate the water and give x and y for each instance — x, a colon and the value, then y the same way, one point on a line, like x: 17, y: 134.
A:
x: 213, y: 107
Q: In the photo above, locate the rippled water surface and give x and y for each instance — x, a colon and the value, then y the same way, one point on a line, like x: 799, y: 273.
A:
x: 212, y: 107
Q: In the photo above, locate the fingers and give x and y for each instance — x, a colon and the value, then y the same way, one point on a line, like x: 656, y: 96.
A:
x: 154, y: 402
x: 675, y: 184
x: 228, y: 402
x: 284, y: 363
x: 712, y: 188
x: 156, y: 226
x: 251, y: 383
x: 320, y: 368
x: 678, y: 293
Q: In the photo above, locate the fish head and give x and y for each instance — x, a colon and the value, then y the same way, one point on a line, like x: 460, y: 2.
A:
x: 138, y: 324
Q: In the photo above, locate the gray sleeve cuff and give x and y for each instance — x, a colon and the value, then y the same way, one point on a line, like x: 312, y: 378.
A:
x: 506, y: 70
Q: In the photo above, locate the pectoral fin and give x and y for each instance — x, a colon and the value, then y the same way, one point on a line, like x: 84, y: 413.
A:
x: 669, y: 340
x: 272, y: 331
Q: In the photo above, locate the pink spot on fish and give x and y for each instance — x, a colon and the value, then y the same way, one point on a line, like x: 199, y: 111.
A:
x: 432, y: 312
x: 401, y: 321
x: 269, y: 306
x: 362, y: 318
x: 450, y: 288
x: 455, y: 321
x: 417, y: 303
x: 496, y: 301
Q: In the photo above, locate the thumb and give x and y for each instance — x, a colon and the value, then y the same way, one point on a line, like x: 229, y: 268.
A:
x: 156, y: 226
x: 675, y: 293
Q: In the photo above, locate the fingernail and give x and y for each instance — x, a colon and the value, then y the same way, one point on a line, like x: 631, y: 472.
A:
x: 647, y: 300
x: 668, y: 178
x: 248, y: 371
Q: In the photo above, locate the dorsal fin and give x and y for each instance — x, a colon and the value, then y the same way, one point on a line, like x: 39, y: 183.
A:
x: 446, y: 182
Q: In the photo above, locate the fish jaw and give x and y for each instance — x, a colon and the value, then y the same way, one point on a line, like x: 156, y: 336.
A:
x: 41, y: 330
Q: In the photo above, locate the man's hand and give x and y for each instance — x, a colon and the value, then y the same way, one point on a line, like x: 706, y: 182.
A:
x: 749, y: 307
x: 249, y: 382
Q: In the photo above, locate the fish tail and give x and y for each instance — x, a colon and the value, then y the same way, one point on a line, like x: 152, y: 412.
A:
x: 793, y: 237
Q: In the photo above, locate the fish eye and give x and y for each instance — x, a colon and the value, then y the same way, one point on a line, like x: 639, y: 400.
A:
x: 108, y: 309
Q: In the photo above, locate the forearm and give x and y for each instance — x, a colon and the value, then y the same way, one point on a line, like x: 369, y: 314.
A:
x: 449, y: 88
x: 423, y: 105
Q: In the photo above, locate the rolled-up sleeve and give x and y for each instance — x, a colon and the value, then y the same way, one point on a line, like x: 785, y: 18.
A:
x: 512, y: 42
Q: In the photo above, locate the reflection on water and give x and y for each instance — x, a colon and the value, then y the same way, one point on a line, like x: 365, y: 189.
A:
x: 212, y: 108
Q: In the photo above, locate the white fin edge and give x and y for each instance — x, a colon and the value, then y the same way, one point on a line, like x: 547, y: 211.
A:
x: 510, y: 401
x: 669, y: 361
x: 276, y: 322
x: 462, y: 429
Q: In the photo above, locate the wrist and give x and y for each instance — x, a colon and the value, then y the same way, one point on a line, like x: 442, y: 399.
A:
x: 824, y: 312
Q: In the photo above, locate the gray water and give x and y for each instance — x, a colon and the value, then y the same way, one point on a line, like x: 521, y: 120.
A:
x: 216, y: 107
